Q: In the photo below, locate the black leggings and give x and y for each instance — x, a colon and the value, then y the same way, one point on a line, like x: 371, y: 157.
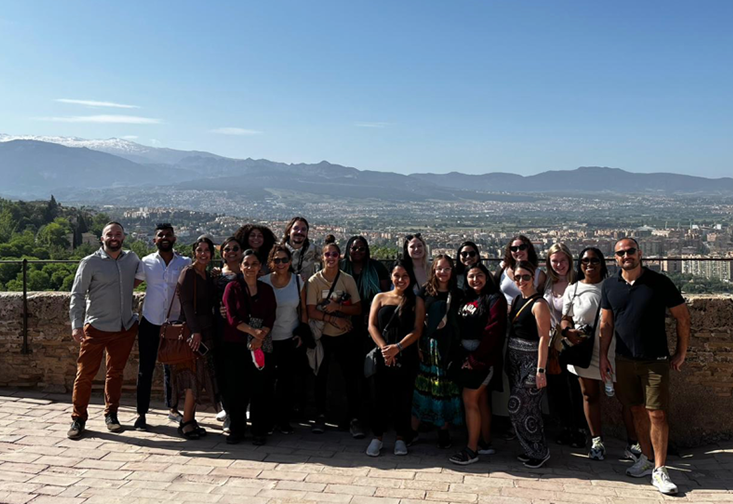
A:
x: 342, y: 349
x: 246, y: 385
x: 393, y: 397
x: 286, y: 358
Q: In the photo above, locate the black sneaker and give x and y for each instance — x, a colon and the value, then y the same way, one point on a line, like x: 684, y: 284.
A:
x: 537, y: 463
x: 485, y: 448
x: 356, y: 430
x: 565, y: 437
x: 578, y: 440
x: 412, y: 438
x: 464, y: 457
x: 523, y: 458
x: 235, y: 438
x: 113, y: 425
x: 285, y: 428
x: 259, y: 440
x: 76, y: 429
x: 140, y: 423
x: 444, y: 441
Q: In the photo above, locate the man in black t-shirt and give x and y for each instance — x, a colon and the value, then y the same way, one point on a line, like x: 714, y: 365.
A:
x: 634, y: 305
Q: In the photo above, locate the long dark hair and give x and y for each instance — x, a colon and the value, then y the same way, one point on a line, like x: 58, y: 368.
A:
x: 460, y: 267
x: 489, y: 289
x: 242, y: 236
x: 531, y: 252
x: 274, y: 250
x: 208, y: 242
x: 368, y: 281
x: 604, y: 268
x: 407, y: 304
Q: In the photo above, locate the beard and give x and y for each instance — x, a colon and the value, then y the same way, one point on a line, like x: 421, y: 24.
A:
x: 114, y: 248
x: 164, y: 247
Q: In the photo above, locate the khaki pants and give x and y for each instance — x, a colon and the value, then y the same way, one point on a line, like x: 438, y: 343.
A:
x: 118, y: 346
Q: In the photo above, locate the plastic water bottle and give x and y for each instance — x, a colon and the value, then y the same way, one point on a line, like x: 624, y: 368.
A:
x: 608, y: 384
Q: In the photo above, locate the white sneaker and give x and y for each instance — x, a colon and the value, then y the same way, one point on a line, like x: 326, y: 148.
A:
x: 642, y: 467
x: 375, y: 447
x: 221, y: 416
x: 597, y: 449
x: 175, y: 416
x: 400, y: 448
x: 227, y: 427
x: 660, y: 479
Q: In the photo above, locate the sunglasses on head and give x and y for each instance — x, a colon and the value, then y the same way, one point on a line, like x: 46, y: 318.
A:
x: 330, y: 254
x: 523, y: 278
x: 590, y: 260
x: 281, y: 260
x: 629, y: 251
x: 416, y: 235
x: 517, y: 248
x: 468, y: 253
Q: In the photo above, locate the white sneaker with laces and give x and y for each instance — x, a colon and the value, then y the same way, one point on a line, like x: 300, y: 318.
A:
x: 400, y: 448
x: 597, y: 449
x: 221, y: 416
x: 642, y: 467
x: 660, y: 479
x: 227, y: 427
x: 375, y: 447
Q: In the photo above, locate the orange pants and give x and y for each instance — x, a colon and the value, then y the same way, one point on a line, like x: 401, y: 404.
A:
x: 118, y: 346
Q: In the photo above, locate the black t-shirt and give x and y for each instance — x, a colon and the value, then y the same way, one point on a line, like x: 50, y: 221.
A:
x: 639, y: 311
x: 472, y: 321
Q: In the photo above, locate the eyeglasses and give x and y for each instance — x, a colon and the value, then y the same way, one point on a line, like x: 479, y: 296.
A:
x: 443, y: 270
x: 517, y: 248
x: 630, y: 251
x: 468, y: 253
x: 590, y: 260
x: 281, y: 260
x: 522, y: 278
x: 232, y: 249
x: 358, y: 249
x: 330, y: 254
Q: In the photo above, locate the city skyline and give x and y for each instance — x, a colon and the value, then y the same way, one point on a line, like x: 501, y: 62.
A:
x: 409, y: 87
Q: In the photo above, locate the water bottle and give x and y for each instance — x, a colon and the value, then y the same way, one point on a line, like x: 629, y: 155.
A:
x: 608, y: 384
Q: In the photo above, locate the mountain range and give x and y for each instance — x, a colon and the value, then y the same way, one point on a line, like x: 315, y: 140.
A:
x: 35, y: 166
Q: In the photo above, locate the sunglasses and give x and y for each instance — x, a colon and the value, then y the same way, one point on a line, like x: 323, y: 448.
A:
x: 416, y: 235
x: 330, y: 254
x: 281, y: 260
x: 468, y: 253
x: 590, y: 260
x: 630, y: 251
x: 517, y: 248
x: 232, y: 249
x: 523, y: 278
x: 358, y: 249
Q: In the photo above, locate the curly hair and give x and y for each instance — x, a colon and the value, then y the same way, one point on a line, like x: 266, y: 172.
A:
x: 242, y: 236
x: 531, y: 252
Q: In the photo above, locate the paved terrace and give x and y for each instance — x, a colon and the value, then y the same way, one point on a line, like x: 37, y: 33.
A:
x: 39, y: 465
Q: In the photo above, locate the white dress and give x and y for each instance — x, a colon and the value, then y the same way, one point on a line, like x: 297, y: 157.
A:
x: 581, y: 302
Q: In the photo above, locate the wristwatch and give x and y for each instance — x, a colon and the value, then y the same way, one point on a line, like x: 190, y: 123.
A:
x: 541, y: 370
x: 399, y: 345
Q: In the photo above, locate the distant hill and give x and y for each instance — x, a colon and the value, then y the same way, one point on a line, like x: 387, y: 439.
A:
x: 34, y: 168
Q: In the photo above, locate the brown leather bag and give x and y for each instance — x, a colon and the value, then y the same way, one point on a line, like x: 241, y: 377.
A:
x: 175, y: 336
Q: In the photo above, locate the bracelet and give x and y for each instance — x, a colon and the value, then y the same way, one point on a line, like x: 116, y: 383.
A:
x: 399, y: 345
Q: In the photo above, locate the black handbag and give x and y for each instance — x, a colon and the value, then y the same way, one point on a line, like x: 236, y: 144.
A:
x: 580, y: 354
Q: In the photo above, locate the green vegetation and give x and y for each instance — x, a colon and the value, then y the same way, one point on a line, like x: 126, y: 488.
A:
x: 691, y: 284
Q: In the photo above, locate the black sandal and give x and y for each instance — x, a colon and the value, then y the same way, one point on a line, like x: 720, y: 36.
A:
x: 201, y: 431
x: 190, y: 434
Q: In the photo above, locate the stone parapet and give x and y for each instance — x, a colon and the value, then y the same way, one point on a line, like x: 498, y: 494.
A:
x: 702, y: 394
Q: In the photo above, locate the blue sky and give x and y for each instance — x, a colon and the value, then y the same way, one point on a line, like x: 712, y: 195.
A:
x: 406, y: 86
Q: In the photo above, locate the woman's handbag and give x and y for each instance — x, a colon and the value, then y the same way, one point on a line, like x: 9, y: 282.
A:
x: 579, y: 354
x: 175, y: 336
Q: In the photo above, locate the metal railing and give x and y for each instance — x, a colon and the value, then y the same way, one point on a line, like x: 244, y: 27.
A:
x: 489, y: 261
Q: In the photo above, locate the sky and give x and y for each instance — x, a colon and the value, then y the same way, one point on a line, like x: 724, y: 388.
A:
x: 406, y: 86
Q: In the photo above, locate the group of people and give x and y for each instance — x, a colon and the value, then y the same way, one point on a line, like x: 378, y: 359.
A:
x: 422, y: 343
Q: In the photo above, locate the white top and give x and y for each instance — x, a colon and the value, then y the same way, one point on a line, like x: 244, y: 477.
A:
x: 510, y: 289
x: 555, y: 303
x: 286, y: 315
x: 581, y: 302
x: 161, y: 280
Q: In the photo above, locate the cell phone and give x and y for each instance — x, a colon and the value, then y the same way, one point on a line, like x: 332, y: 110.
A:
x: 203, y: 349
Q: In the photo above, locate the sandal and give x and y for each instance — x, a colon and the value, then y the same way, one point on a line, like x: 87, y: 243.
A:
x: 193, y: 433
x: 201, y: 431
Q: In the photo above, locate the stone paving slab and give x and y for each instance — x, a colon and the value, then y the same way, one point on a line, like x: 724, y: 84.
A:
x: 39, y: 465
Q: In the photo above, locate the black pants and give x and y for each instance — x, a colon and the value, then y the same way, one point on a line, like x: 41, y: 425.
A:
x: 148, y: 338
x: 344, y: 350
x: 248, y: 386
x: 285, y: 358
x: 566, y: 400
x: 393, y: 397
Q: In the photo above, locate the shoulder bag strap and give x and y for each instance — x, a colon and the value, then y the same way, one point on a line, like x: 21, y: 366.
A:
x: 175, y: 293
x: 300, y: 299
x: 530, y: 301
x: 333, y: 285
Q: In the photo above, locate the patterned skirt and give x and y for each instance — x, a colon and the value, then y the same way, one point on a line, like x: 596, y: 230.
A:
x: 436, y: 399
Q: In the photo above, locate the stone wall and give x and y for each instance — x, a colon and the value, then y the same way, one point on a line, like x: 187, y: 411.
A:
x: 702, y: 394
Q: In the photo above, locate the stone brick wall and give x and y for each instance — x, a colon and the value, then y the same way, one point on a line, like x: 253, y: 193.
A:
x: 702, y: 394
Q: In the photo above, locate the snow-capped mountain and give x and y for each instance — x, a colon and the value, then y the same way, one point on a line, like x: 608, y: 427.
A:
x: 118, y: 146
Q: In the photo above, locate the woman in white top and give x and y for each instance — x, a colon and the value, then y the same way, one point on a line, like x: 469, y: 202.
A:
x: 580, y: 312
x: 289, y: 315
x: 563, y: 391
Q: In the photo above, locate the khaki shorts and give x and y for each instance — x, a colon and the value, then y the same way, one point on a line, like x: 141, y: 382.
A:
x: 643, y: 382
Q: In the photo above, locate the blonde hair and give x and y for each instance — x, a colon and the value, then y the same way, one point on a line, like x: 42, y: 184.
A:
x: 552, y: 276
